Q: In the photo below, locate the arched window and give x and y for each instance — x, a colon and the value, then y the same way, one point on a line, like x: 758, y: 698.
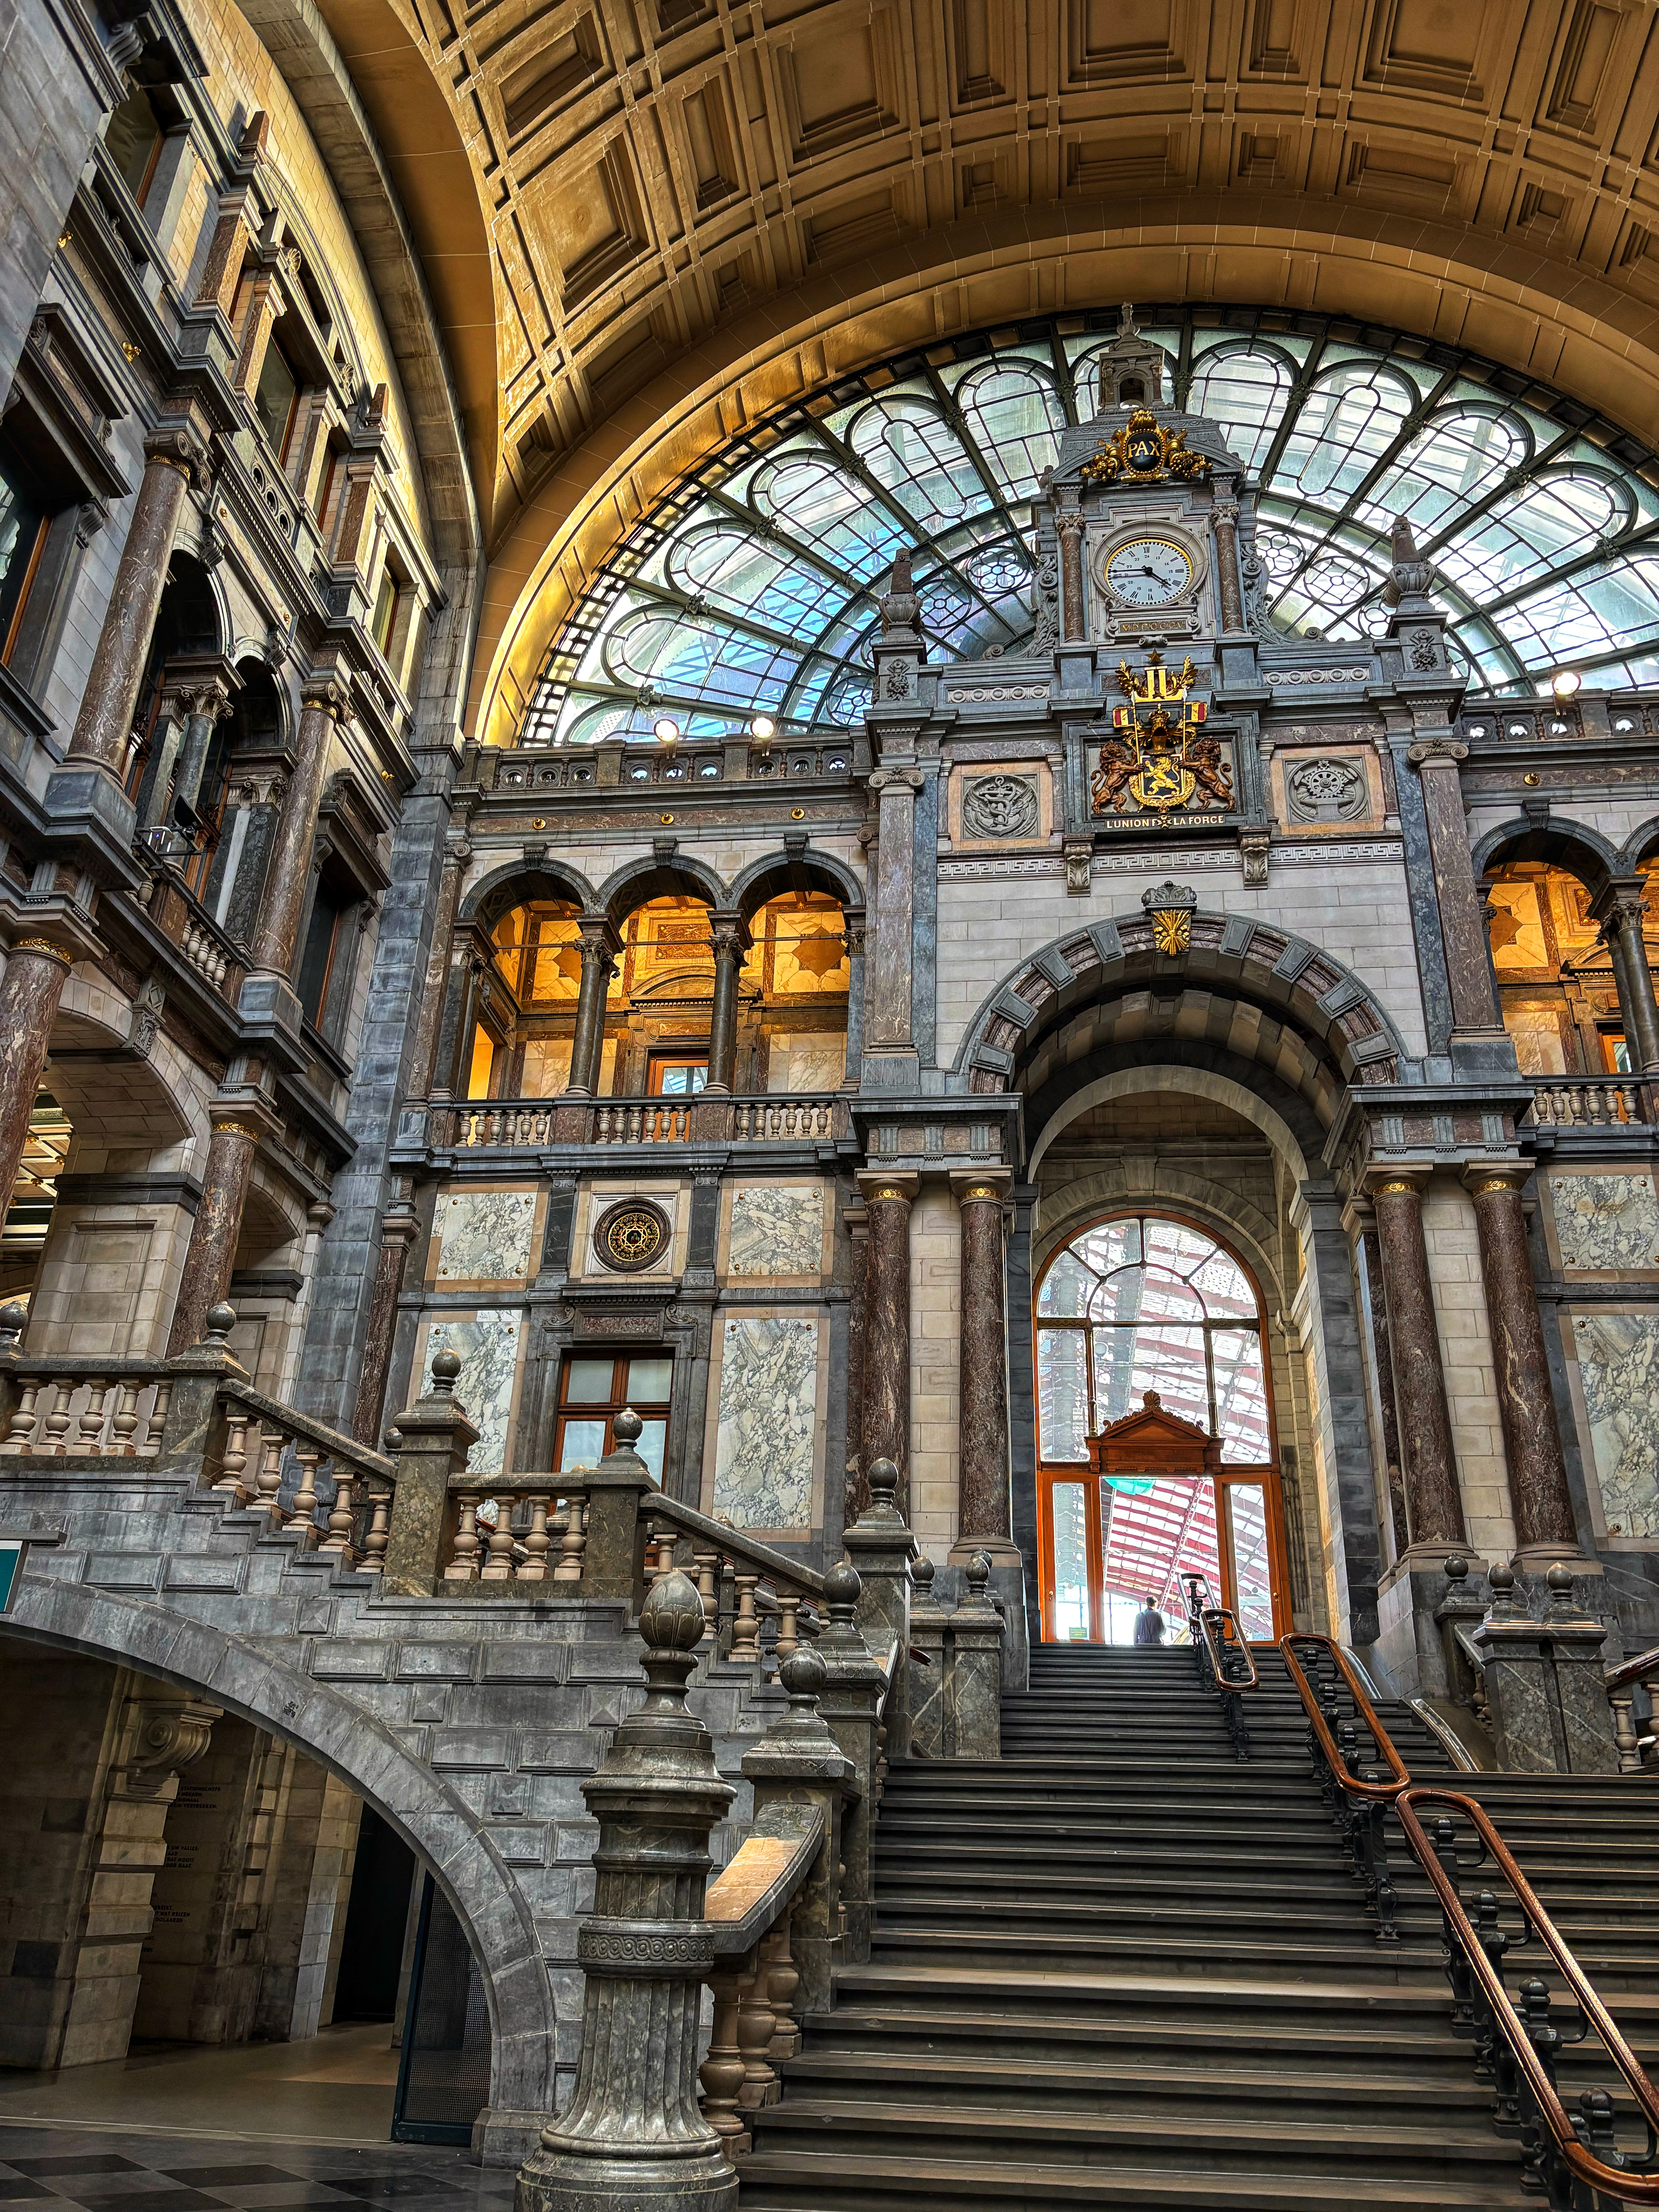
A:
x: 1154, y: 1431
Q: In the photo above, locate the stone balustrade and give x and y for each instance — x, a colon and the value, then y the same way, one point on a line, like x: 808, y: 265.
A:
x: 1589, y: 1103
x: 506, y: 1123
x: 532, y: 1528
x: 641, y: 1122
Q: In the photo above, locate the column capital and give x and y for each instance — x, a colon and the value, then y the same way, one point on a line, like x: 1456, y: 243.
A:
x: 1436, y: 752
x: 1480, y: 1178
x: 1621, y: 901
x: 896, y: 779
x: 887, y: 1183
x: 1395, y: 1181
x: 969, y: 1183
x: 176, y: 446
x: 325, y: 692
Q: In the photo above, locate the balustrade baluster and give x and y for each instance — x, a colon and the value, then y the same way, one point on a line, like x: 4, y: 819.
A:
x: 339, y: 1535
x: 1648, y: 1743
x: 722, y: 2072
x: 464, y: 1559
x: 20, y: 1433
x: 380, y: 1532
x: 91, y: 1421
x: 783, y: 1980
x: 573, y: 1542
x: 151, y: 1448
x: 1575, y: 1094
x: 57, y: 1418
x: 756, y: 2027
x: 236, y: 1459
x: 498, y: 1564
x: 746, y: 1630
x: 1630, y: 1105
x: 788, y: 1639
x: 537, y: 1544
x: 708, y: 1567
x: 305, y: 1498
x: 1624, y: 1738
x: 124, y: 1420
x: 270, y: 1476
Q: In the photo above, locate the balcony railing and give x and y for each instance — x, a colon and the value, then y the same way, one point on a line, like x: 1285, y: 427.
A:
x: 1589, y: 1103
x: 494, y: 1124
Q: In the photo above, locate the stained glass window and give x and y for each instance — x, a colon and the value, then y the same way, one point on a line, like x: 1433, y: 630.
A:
x: 1139, y: 1303
x: 751, y: 586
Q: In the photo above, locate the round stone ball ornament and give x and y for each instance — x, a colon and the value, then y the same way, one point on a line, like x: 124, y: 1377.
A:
x: 632, y: 1235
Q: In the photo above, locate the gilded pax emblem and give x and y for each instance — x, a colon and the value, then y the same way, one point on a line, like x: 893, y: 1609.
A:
x: 1163, y: 755
x: 1146, y: 452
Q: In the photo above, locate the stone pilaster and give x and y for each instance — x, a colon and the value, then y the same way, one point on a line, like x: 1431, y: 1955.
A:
x: 632, y: 2138
x: 1620, y: 907
x: 887, y: 1200
x: 276, y: 934
x: 1463, y: 909
x: 890, y: 1054
x: 458, y: 852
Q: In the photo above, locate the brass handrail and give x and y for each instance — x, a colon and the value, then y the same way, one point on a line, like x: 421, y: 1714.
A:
x: 1404, y: 1795
x: 1228, y: 1649
x: 1384, y: 1792
x: 1216, y: 1660
x: 1633, y: 1670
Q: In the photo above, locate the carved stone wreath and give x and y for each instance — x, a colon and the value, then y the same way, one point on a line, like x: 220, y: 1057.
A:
x: 1326, y: 791
x: 999, y: 806
x: 633, y: 1235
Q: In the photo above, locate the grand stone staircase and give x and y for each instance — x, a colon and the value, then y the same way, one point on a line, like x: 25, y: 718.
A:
x: 1121, y: 1968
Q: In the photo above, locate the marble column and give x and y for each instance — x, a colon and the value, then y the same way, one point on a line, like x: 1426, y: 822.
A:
x: 1619, y: 908
x: 103, y: 728
x: 1370, y: 1259
x: 215, y: 1231
x: 289, y: 874
x: 887, y: 1324
x: 729, y: 937
x: 1546, y: 1528
x: 887, y: 1018
x: 854, y: 917
x: 1463, y: 908
x: 1070, y: 527
x: 1434, y: 1504
x: 982, y: 1516
x: 36, y: 972
x: 598, y: 945
x: 398, y: 1229
x: 205, y: 707
x: 458, y: 851
x: 1224, y: 520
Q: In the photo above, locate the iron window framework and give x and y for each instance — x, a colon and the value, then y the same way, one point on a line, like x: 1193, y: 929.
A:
x: 751, y: 586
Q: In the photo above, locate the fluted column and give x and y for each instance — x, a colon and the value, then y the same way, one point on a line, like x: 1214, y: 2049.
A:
x: 887, y: 1324
x: 983, y: 1510
x: 103, y: 728
x: 1434, y: 1503
x: 1619, y: 908
x: 1540, y: 1502
x: 1224, y: 520
x: 599, y: 956
x: 1070, y: 527
x: 218, y: 1225
x: 37, y: 969
x: 730, y: 942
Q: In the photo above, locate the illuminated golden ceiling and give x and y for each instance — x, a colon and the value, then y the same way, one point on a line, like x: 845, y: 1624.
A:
x: 694, y: 210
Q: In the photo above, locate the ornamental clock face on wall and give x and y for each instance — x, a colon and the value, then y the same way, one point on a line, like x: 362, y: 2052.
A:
x: 1149, y: 572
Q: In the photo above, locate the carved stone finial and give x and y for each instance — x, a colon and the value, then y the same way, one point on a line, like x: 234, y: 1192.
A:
x: 803, y: 1674
x: 1560, y: 1579
x: 1128, y: 327
x: 1405, y: 541
x: 1504, y: 1605
x: 921, y: 1576
x: 446, y: 1367
x: 672, y: 1619
x: 899, y: 604
x: 883, y: 1484
x: 979, y: 1574
x: 14, y: 1319
x: 218, y: 1322
x: 1457, y: 1571
x: 627, y: 1426
x: 842, y: 1586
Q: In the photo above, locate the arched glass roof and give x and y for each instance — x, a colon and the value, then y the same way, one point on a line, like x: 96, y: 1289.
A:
x: 752, y: 588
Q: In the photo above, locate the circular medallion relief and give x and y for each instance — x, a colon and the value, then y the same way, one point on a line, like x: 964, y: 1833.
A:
x: 631, y: 1235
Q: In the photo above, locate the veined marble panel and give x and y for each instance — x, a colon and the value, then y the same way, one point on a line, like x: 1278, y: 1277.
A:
x: 776, y: 1232
x: 487, y: 1347
x: 767, y: 1422
x: 1618, y: 1371
x: 1606, y: 1222
x: 483, y: 1236
x: 815, y: 1060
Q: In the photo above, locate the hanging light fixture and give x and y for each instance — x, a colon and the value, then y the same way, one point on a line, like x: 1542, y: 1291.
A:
x: 1565, y: 681
x: 667, y: 729
x: 763, y: 727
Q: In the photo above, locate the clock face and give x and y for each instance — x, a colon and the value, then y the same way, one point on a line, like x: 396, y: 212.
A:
x: 1149, y: 572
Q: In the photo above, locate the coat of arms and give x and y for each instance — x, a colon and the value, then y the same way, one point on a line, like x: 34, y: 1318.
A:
x: 1163, y: 754
x: 1143, y: 451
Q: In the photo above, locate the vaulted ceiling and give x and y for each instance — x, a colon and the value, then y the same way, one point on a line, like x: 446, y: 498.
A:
x: 695, y: 210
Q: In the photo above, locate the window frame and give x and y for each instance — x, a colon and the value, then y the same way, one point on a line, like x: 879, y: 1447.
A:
x: 566, y: 1409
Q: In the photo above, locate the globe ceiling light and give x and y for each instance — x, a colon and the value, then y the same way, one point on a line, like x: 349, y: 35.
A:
x: 667, y: 729
x: 763, y: 727
x: 1564, y: 682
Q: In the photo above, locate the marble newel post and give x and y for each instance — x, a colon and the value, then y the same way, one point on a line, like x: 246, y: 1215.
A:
x: 1434, y: 1504
x: 632, y: 2138
x: 103, y: 729
x: 982, y: 1506
x: 1618, y: 908
x: 729, y: 941
x: 887, y: 1322
x: 1546, y: 1528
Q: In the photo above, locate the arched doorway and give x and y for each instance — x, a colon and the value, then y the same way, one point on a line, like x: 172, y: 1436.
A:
x: 1155, y: 1436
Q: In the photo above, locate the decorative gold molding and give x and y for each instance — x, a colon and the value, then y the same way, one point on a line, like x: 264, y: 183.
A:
x: 1401, y: 1187
x: 235, y: 1129
x: 45, y: 948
